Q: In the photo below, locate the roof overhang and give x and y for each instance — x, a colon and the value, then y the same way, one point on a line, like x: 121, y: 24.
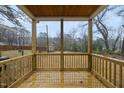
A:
x: 66, y: 12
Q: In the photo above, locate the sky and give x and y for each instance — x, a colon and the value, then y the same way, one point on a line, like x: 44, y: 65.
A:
x: 54, y: 26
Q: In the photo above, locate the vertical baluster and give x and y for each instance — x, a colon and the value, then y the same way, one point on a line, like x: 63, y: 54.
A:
x: 8, y: 74
x: 82, y: 61
x: 53, y: 63
x: 75, y: 61
x: 95, y: 62
x: 92, y: 63
x: 16, y: 70
x: 20, y: 67
x: 87, y: 60
x: 23, y: 66
x: 97, y: 65
x: 72, y: 61
x: 42, y: 61
x: 59, y: 61
x: 110, y: 71
x: 29, y: 63
x: 114, y: 74
x: 103, y: 67
x: 3, y: 76
x: 120, y: 76
x: 37, y: 62
x: 69, y: 61
x: 39, y: 57
x: 100, y: 65
x: 12, y: 71
x: 49, y: 61
x: 106, y: 69
x: 86, y: 65
x: 65, y: 64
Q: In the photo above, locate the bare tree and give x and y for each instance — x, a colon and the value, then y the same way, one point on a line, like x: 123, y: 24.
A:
x: 105, y: 30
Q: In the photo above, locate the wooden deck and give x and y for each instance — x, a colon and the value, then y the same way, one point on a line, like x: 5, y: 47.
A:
x: 57, y: 79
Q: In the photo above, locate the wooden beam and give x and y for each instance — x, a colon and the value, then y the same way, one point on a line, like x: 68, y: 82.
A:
x: 62, y: 46
x: 34, y: 44
x: 64, y: 18
x: 90, y: 44
x: 26, y: 11
x: 102, y: 7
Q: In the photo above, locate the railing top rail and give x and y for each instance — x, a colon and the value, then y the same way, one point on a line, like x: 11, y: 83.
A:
x: 60, y: 53
x: 12, y: 59
x: 114, y: 60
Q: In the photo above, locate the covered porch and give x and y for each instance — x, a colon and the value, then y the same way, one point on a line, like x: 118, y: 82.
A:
x: 62, y: 69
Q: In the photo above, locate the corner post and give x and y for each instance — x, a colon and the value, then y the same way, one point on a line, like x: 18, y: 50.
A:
x: 90, y: 44
x: 62, y: 47
x: 34, y: 44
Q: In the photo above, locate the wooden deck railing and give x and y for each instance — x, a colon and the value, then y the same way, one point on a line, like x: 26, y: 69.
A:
x: 48, y: 61
x: 109, y: 70
x: 77, y: 61
x: 71, y: 61
x: 12, y: 70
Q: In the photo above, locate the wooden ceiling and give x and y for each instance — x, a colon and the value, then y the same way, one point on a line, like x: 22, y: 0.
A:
x: 62, y: 10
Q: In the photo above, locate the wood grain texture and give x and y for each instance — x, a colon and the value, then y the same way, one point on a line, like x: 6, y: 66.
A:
x: 62, y: 10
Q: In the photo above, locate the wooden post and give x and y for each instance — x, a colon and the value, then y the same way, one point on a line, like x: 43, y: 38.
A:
x: 62, y: 55
x: 90, y: 44
x: 34, y: 44
x: 62, y: 46
x: 47, y: 38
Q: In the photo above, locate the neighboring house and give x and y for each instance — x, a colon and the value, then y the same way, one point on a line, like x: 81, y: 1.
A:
x: 14, y: 36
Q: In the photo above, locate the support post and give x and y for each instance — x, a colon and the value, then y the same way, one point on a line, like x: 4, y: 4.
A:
x: 34, y: 45
x: 90, y: 44
x: 62, y: 46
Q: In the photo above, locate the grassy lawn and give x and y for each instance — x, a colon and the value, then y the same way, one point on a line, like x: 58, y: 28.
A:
x: 14, y: 53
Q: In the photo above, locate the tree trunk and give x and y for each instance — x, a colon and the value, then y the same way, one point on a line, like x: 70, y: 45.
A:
x: 106, y: 44
x: 122, y: 50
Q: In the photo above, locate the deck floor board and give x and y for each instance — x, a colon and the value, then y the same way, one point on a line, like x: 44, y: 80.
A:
x: 57, y: 79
